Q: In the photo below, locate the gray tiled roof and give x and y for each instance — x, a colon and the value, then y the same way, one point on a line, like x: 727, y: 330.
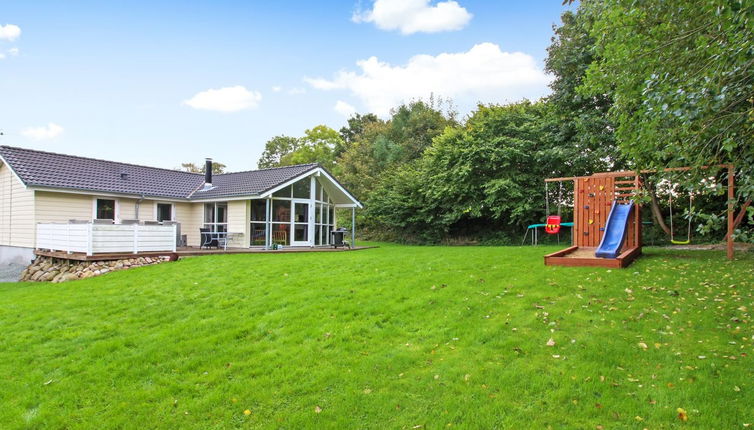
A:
x: 48, y: 169
x: 252, y: 182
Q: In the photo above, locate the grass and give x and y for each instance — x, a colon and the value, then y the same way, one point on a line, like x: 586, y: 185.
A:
x: 395, y: 337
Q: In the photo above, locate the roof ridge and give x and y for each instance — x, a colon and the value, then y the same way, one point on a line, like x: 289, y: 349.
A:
x: 268, y: 168
x: 100, y: 159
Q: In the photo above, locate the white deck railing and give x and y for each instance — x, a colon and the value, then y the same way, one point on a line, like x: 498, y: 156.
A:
x: 106, y: 238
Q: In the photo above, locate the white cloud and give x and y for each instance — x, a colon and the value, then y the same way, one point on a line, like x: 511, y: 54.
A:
x: 49, y: 131
x: 344, y: 108
x: 2, y: 56
x: 277, y: 89
x: 13, y: 51
x: 228, y: 99
x: 9, y: 32
x: 483, y: 73
x: 296, y: 91
x: 412, y: 16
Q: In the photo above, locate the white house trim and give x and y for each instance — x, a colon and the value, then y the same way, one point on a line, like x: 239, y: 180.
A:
x: 316, y: 172
x: 13, y: 172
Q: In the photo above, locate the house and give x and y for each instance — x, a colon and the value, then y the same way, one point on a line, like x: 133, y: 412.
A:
x: 292, y: 205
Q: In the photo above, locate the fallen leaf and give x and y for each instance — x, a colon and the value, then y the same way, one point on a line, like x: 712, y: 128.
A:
x: 551, y: 342
x: 317, y: 409
x: 643, y: 345
x: 682, y: 415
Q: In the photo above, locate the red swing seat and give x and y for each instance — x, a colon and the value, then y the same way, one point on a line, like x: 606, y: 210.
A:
x: 552, y: 226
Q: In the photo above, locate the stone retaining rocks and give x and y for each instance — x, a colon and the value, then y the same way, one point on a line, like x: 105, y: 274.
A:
x: 50, y: 269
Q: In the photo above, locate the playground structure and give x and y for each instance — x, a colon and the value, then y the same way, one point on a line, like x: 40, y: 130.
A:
x: 607, y: 221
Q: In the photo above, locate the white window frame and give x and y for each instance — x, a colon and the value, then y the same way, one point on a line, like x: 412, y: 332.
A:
x: 214, y: 225
x: 172, y: 210
x: 116, y: 211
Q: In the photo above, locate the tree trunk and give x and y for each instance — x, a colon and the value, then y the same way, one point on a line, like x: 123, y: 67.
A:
x: 655, y: 207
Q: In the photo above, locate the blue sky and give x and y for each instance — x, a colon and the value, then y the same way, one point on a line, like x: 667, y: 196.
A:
x: 128, y: 81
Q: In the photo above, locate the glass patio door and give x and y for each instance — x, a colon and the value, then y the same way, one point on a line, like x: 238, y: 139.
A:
x: 300, y: 223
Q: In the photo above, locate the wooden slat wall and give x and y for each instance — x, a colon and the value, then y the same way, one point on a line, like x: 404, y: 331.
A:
x: 598, y: 193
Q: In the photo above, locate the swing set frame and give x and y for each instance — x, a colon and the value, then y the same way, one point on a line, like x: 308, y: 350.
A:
x: 593, y: 193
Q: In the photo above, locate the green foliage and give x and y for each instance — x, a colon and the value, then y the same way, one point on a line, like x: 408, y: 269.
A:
x: 394, y: 337
x: 275, y: 149
x: 681, y: 74
x: 375, y: 147
x: 484, y: 177
x: 320, y: 144
x: 582, y: 124
x: 193, y: 168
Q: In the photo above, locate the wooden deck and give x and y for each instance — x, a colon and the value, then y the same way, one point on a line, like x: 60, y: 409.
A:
x: 584, y: 257
x: 191, y: 252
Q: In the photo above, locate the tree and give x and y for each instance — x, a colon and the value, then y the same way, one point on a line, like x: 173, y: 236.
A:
x: 373, y: 147
x: 681, y: 74
x: 193, y: 168
x: 582, y: 122
x: 485, y: 177
x: 277, y: 148
x: 357, y: 126
x: 320, y: 144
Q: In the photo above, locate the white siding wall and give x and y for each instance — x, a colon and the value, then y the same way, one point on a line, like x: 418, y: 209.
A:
x: 238, y: 222
x: 61, y: 207
x: 16, y: 211
x: 191, y: 217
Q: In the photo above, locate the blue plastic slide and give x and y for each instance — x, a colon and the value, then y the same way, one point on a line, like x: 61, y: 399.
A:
x: 615, y: 230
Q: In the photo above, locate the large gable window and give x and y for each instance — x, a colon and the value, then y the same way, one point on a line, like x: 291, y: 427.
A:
x: 105, y: 209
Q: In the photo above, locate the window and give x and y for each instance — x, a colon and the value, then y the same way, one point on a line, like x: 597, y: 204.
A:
x: 105, y: 209
x: 281, y: 211
x: 284, y: 192
x: 258, y: 225
x: 301, y: 189
x: 216, y: 216
x: 258, y: 209
x: 164, y: 212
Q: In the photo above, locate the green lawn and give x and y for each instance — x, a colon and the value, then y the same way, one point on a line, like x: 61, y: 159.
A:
x: 395, y: 337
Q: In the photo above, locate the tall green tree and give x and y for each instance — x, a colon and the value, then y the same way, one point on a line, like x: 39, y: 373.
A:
x: 582, y: 123
x: 681, y: 74
x: 484, y: 177
x: 277, y: 148
x: 320, y: 144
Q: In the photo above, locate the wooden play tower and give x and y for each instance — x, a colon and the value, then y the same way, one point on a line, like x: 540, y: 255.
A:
x: 593, y: 198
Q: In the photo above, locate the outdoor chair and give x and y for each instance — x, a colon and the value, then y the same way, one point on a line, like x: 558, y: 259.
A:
x: 280, y: 237
x: 258, y: 237
x: 206, y: 239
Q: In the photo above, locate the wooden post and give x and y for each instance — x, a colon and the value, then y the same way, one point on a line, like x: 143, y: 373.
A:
x: 731, y: 195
